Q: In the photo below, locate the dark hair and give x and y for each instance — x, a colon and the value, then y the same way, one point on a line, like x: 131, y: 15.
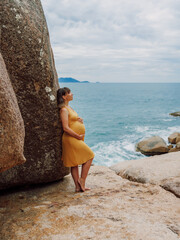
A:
x: 61, y: 92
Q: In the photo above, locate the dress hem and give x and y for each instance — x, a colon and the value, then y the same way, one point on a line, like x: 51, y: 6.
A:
x: 80, y: 163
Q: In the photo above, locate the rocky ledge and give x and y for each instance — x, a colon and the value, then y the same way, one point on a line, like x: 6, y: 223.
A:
x: 117, y: 207
x: 162, y: 170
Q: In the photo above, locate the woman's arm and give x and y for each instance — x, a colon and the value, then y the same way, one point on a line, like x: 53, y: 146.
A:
x: 66, y: 128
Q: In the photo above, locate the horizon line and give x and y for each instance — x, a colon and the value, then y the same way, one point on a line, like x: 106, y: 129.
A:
x: 116, y: 82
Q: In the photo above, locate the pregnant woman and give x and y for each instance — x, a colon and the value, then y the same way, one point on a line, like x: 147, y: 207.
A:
x: 74, y: 150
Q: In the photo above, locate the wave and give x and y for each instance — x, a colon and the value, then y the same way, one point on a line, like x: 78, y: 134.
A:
x: 163, y: 133
x: 142, y: 129
x: 167, y: 120
x: 111, y: 152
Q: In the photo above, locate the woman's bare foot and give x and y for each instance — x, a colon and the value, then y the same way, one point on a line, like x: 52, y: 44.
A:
x: 78, y: 190
x: 81, y: 182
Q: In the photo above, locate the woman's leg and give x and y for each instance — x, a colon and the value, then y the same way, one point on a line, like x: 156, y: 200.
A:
x: 84, y: 173
x: 75, y: 176
x: 85, y: 169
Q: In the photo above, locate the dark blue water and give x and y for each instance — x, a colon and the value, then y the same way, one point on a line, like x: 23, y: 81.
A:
x: 118, y: 115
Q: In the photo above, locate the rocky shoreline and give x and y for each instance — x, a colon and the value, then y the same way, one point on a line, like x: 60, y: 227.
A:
x: 132, y: 200
x: 156, y: 145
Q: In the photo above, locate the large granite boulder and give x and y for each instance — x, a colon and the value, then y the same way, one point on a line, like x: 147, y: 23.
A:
x: 11, y: 124
x: 152, y: 146
x: 161, y: 170
x: 26, y: 49
x: 114, y: 209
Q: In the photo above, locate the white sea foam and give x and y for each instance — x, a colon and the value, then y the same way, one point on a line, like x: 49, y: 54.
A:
x: 141, y: 129
x: 164, y: 133
x: 109, y: 153
x: 128, y: 146
x: 112, y: 152
x: 167, y: 120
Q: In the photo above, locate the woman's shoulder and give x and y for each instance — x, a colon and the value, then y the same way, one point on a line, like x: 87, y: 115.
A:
x: 63, y: 109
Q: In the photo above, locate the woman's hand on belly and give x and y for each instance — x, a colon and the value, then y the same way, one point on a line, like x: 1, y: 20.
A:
x: 80, y: 137
x: 80, y: 120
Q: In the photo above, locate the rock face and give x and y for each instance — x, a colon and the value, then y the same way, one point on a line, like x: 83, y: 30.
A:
x: 115, y: 208
x: 175, y: 114
x: 11, y: 124
x: 152, y: 146
x: 27, y: 53
x: 160, y: 170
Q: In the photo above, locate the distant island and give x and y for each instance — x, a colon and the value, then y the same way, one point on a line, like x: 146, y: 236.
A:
x: 72, y: 80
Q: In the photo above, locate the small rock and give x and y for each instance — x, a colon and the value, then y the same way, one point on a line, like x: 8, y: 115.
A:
x: 170, y: 146
x: 178, y: 145
x: 175, y: 114
x: 172, y: 137
x: 174, y: 150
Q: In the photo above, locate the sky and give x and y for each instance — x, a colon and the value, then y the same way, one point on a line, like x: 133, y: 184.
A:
x: 115, y: 40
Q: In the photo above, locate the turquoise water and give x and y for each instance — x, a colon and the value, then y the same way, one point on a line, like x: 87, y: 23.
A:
x: 118, y: 115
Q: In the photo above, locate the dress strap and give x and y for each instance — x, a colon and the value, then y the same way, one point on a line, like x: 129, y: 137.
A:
x: 66, y: 108
x: 69, y: 108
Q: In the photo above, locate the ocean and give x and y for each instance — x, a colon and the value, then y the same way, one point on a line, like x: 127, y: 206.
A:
x: 118, y: 115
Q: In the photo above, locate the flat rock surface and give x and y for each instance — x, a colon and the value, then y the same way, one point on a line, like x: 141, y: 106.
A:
x: 114, y: 208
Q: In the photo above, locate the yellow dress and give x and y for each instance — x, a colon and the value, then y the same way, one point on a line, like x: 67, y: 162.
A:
x: 75, y: 152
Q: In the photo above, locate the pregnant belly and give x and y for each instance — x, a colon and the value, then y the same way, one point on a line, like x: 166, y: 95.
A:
x: 78, y: 127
